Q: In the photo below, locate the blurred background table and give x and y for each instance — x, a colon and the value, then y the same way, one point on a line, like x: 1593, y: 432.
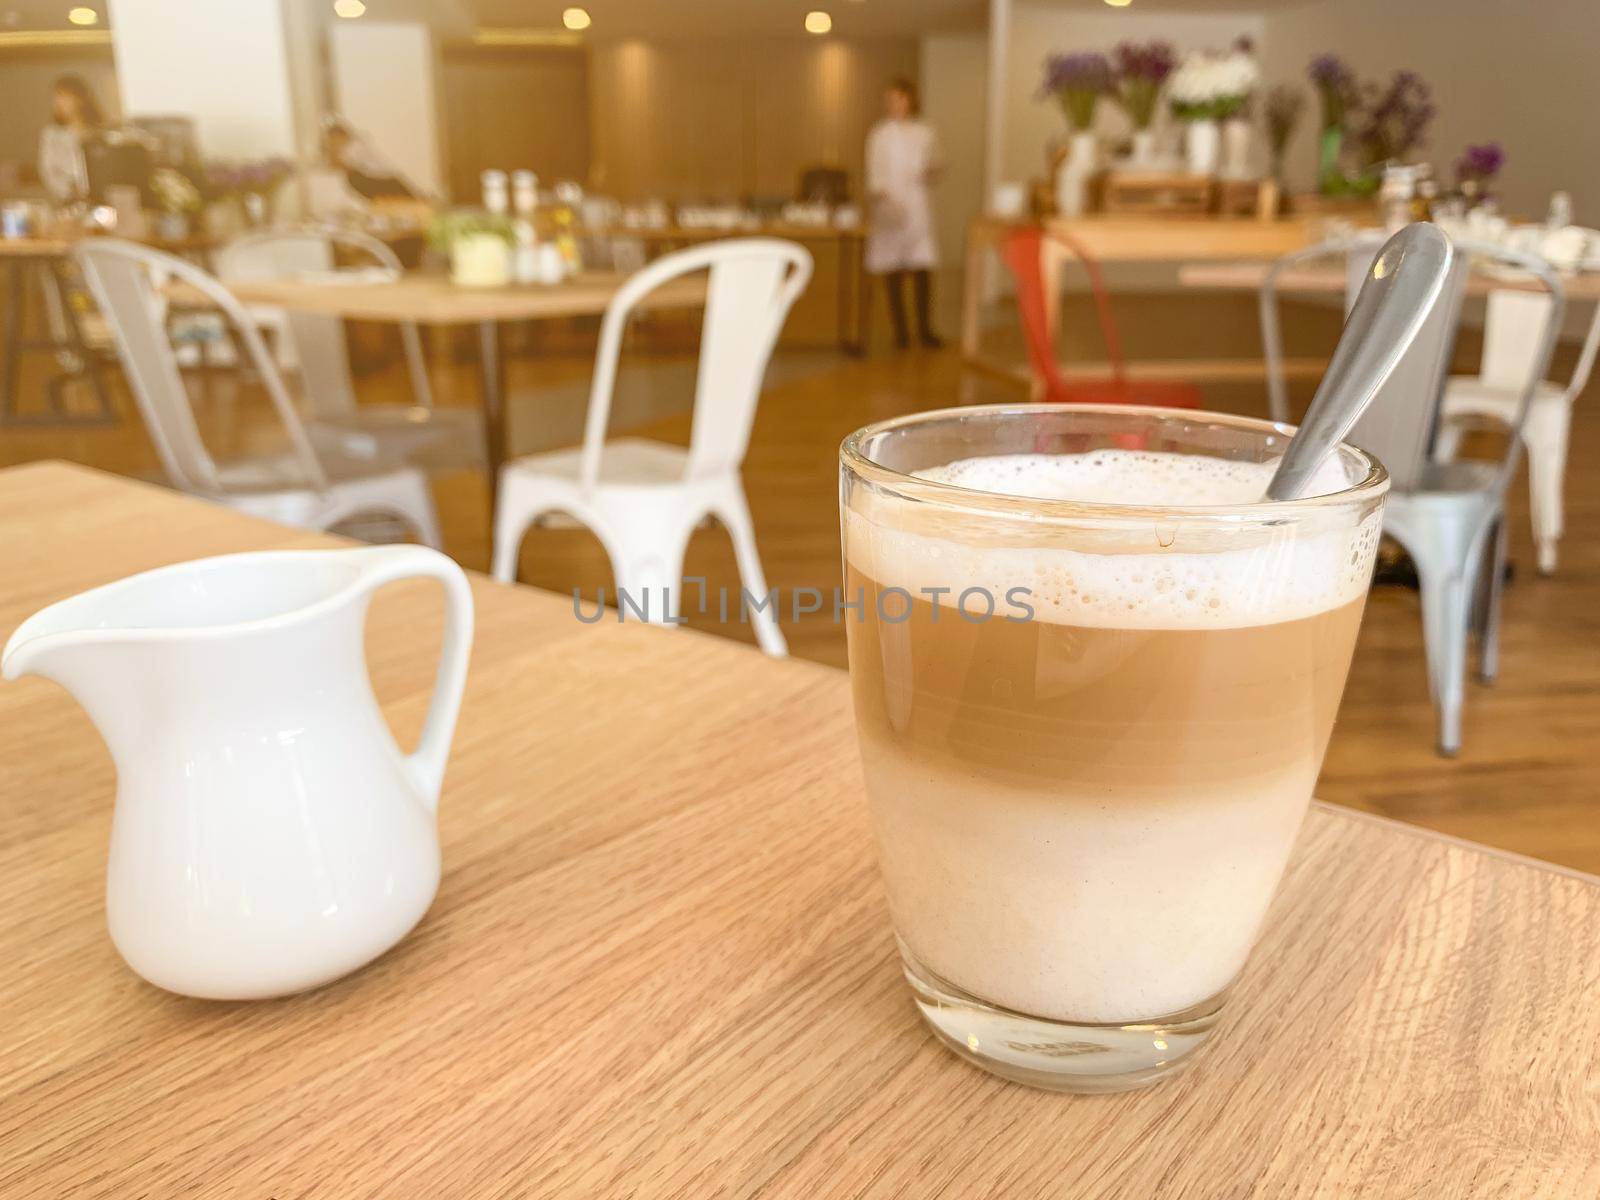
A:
x: 428, y: 299
x: 660, y: 963
x: 40, y: 261
x: 1248, y: 276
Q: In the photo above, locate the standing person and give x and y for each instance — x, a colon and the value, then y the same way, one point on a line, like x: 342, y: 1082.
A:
x: 902, y: 160
x: 75, y: 117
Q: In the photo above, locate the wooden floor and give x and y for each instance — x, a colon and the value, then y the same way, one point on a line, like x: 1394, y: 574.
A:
x: 1526, y: 781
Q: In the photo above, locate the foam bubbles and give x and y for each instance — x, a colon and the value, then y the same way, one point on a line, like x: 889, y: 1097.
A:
x: 1127, y: 477
x: 1168, y: 575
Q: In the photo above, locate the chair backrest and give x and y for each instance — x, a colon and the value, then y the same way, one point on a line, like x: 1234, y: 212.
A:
x: 1398, y: 426
x: 1512, y: 322
x: 122, y: 276
x: 752, y: 284
x: 290, y: 251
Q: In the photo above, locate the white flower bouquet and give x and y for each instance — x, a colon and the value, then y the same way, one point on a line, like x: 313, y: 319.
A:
x: 1212, y: 87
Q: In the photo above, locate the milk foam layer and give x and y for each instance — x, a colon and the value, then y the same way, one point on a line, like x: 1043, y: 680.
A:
x: 1165, y: 575
x: 1144, y: 477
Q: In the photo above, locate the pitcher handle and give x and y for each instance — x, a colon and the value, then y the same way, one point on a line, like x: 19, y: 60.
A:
x: 389, y: 564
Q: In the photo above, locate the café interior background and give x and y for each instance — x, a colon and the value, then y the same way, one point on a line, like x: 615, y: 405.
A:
x: 718, y: 109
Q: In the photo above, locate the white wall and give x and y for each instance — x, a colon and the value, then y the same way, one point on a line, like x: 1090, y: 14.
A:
x: 1041, y: 29
x: 1523, y: 74
x: 953, y: 74
x: 384, y: 83
x: 224, y: 63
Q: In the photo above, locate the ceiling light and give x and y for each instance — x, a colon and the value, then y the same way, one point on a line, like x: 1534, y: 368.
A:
x: 575, y: 18
x: 83, y: 16
x: 1119, y: 3
x: 349, y: 9
x: 818, y: 22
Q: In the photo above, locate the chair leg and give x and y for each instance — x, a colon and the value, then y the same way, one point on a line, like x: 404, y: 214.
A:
x: 1545, y: 436
x: 1447, y: 442
x: 513, y: 515
x: 412, y: 499
x: 734, y: 513
x: 1444, y: 636
x: 647, y: 563
x: 426, y: 518
x: 1494, y: 586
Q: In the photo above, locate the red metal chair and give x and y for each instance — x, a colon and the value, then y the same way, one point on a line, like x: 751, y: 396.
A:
x: 1023, y: 252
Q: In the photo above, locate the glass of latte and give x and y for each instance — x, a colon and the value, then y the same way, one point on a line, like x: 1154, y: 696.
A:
x: 1094, y: 676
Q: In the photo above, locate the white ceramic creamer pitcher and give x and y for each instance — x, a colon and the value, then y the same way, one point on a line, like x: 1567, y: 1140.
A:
x: 269, y: 835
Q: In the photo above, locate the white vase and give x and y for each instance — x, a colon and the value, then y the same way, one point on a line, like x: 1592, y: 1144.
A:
x: 480, y: 260
x: 1202, y: 144
x: 1236, y: 138
x: 1072, y: 176
x: 1144, y: 148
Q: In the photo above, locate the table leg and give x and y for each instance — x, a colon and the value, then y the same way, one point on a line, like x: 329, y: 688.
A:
x: 841, y: 301
x: 863, y: 298
x: 88, y: 360
x: 972, y: 295
x: 491, y: 362
x: 11, y: 367
x: 852, y: 336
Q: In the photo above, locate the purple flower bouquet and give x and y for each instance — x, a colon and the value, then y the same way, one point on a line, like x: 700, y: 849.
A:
x: 1076, y: 81
x: 1141, y: 70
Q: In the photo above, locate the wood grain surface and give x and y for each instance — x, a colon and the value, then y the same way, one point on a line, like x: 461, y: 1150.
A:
x: 659, y: 963
x: 1117, y: 238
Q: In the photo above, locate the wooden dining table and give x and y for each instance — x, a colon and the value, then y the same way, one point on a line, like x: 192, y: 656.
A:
x: 659, y: 963
x: 42, y: 261
x: 1579, y: 286
x: 1119, y: 239
x: 431, y: 299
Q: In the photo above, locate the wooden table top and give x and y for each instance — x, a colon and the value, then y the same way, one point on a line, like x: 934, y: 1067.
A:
x: 1247, y: 276
x: 795, y: 231
x: 659, y: 963
x: 57, y: 244
x: 35, y: 247
x: 1122, y: 238
x: 429, y: 299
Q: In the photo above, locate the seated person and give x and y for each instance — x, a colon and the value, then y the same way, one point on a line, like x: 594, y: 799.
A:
x: 368, y: 174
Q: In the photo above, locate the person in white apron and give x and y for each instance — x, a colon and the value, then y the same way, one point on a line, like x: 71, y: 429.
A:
x: 902, y: 160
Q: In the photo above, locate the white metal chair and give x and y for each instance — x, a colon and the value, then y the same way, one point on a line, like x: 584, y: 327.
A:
x: 643, y: 498
x: 306, y: 487
x: 1510, y: 342
x: 1450, y: 517
x: 418, y: 432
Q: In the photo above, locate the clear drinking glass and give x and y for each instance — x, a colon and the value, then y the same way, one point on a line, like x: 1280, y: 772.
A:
x: 1090, y: 730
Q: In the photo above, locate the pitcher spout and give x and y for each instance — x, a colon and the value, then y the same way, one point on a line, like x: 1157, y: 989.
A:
x: 47, y: 642
x: 116, y: 646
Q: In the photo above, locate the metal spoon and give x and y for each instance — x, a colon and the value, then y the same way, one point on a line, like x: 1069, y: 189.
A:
x: 1400, y: 290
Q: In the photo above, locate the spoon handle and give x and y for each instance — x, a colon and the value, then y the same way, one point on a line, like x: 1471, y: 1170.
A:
x: 1403, y: 284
